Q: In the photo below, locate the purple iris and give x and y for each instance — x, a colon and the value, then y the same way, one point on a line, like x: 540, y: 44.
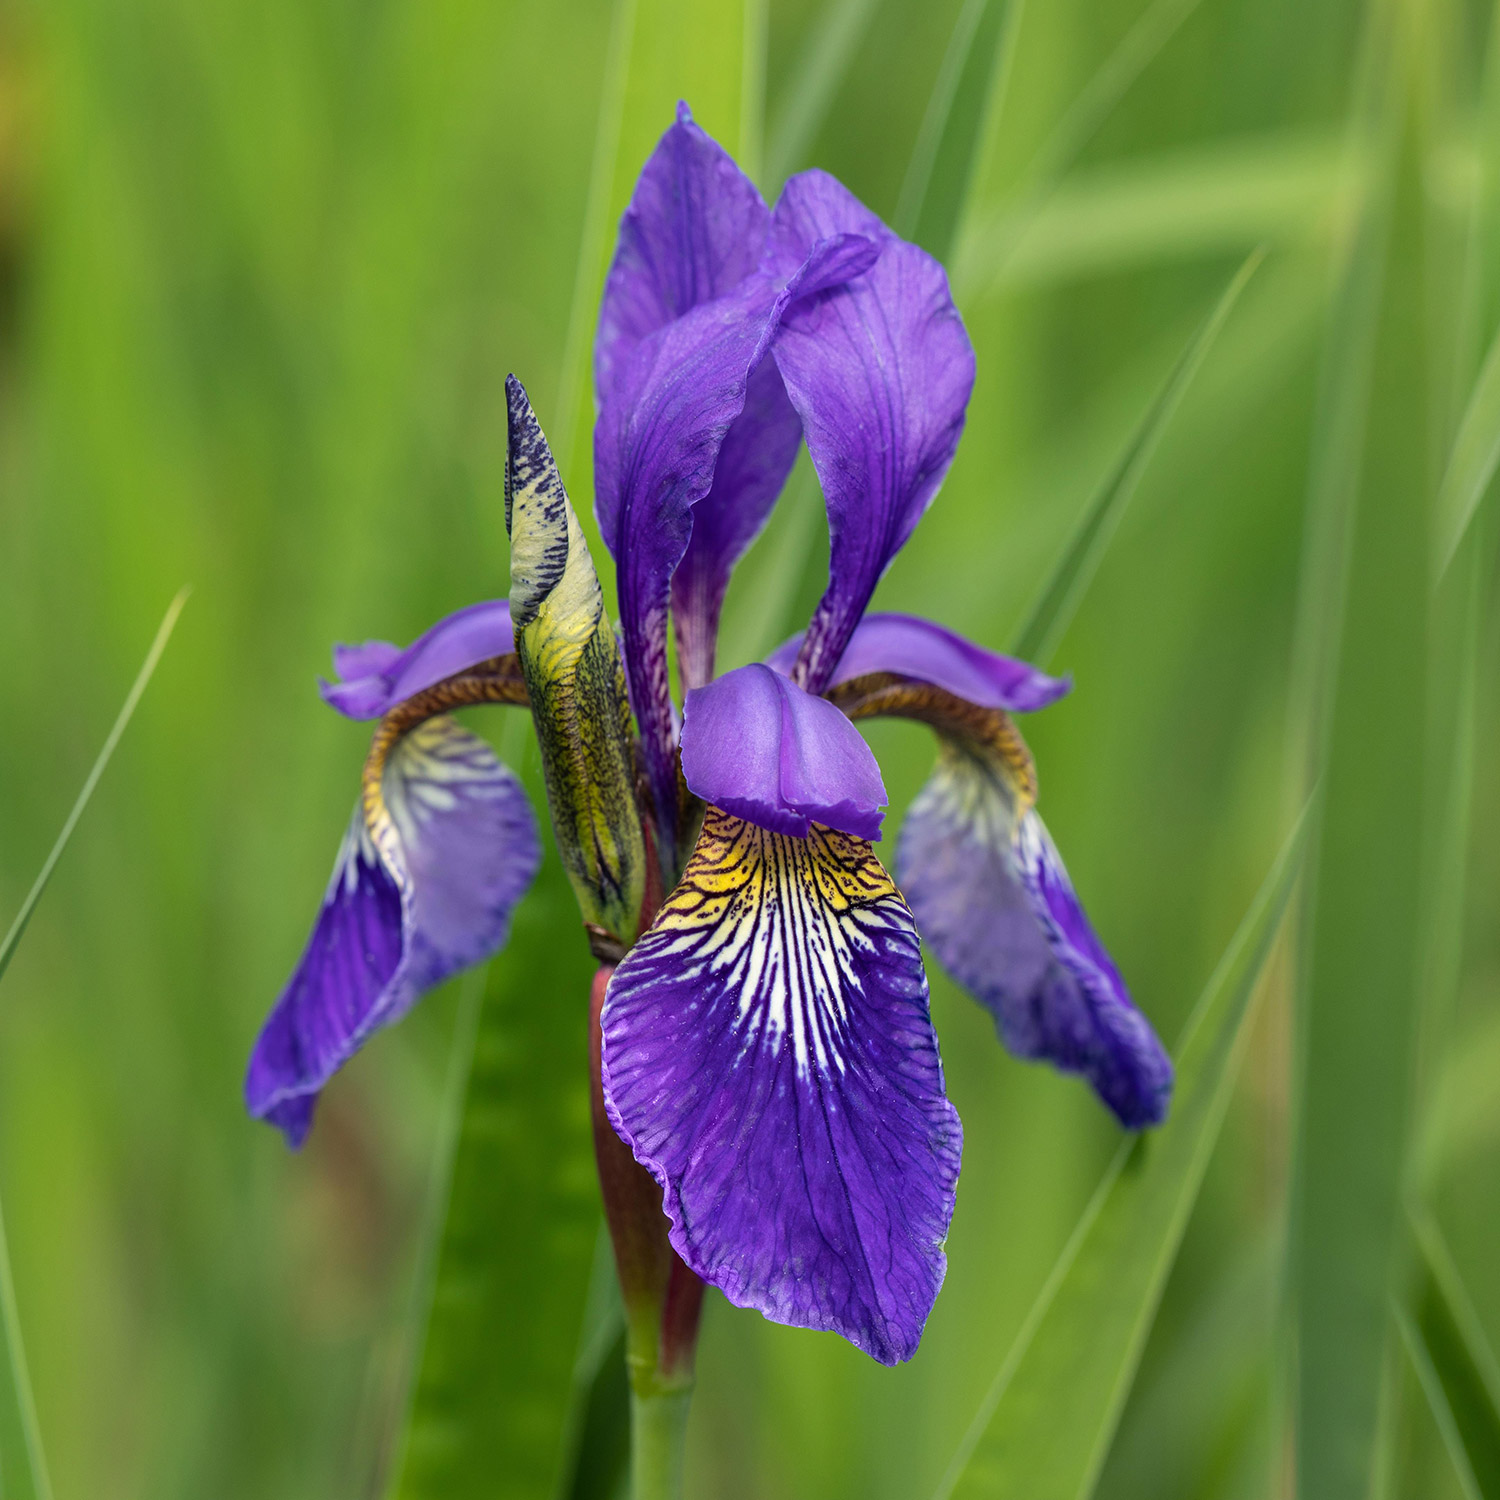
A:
x: 767, y: 1051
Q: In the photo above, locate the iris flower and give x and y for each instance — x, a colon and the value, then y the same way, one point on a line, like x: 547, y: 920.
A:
x: 767, y: 1049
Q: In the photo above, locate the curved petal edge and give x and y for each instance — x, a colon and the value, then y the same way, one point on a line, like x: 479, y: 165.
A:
x: 757, y: 745
x: 429, y: 872
x: 994, y: 903
x: 768, y: 1055
x: 377, y: 675
x: 909, y: 646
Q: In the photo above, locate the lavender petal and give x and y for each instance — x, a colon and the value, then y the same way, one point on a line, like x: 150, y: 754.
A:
x: 424, y: 886
x: 908, y: 646
x: 377, y: 676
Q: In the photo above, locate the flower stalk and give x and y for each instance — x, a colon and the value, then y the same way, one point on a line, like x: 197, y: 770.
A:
x: 662, y: 1296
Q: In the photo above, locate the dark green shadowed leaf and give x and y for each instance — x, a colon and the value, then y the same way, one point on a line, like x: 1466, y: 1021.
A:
x: 970, y: 89
x: 660, y: 51
x: 23, y: 1464
x: 494, y: 1388
x: 1046, y: 1426
x: 576, y: 681
x: 814, y: 81
x: 1462, y: 1362
x: 1059, y: 597
x: 1437, y: 1401
x: 1365, y: 944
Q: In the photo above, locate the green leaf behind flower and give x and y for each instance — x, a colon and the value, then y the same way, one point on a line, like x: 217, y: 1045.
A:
x: 1046, y: 1425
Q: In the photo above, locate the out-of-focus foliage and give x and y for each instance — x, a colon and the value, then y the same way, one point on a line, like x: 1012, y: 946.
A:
x: 263, y: 267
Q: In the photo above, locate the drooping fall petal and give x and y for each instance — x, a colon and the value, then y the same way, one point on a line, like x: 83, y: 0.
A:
x: 769, y: 1057
x: 440, y: 850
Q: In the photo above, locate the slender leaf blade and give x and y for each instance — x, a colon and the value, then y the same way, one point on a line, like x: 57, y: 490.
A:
x: 493, y: 1393
x: 989, y: 239
x: 1046, y: 1425
x: 1473, y: 460
x: 23, y: 1463
x: 1059, y: 597
x: 1365, y: 940
x: 127, y: 712
x: 1463, y: 1364
x: 836, y: 36
x: 968, y: 92
x: 1437, y: 1401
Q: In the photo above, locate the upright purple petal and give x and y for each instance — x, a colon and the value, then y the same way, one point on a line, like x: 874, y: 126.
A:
x: 656, y: 446
x: 425, y: 883
x: 769, y: 1057
x: 693, y: 231
x: 911, y: 647
x: 756, y: 744
x: 880, y: 370
x: 756, y: 458
x: 994, y: 903
x: 377, y: 676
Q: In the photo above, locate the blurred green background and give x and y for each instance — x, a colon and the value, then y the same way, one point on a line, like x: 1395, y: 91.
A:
x: 263, y: 267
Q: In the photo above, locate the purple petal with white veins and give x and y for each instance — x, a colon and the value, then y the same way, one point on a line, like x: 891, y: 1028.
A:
x: 755, y: 743
x: 693, y: 231
x: 880, y: 370
x: 994, y: 903
x: 424, y: 886
x: 769, y: 1057
x: 911, y: 647
x: 377, y: 676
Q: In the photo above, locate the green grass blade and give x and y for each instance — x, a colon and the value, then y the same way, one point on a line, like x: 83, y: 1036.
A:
x: 837, y: 33
x: 1046, y: 1425
x: 132, y: 698
x: 986, y: 249
x: 1059, y: 597
x: 660, y: 51
x: 1462, y: 1361
x: 23, y: 1464
x: 969, y: 90
x: 1437, y: 1401
x: 1221, y: 198
x: 493, y: 1393
x: 1472, y: 463
x: 1365, y: 941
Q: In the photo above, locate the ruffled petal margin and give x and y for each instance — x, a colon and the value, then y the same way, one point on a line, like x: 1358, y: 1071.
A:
x: 769, y: 1057
x: 377, y: 675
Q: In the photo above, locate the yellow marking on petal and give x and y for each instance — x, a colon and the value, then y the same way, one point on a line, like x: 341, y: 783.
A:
x: 778, y: 920
x: 986, y: 735
x: 498, y: 680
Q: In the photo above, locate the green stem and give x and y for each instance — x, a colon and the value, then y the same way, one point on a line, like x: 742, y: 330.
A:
x: 658, y: 1428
